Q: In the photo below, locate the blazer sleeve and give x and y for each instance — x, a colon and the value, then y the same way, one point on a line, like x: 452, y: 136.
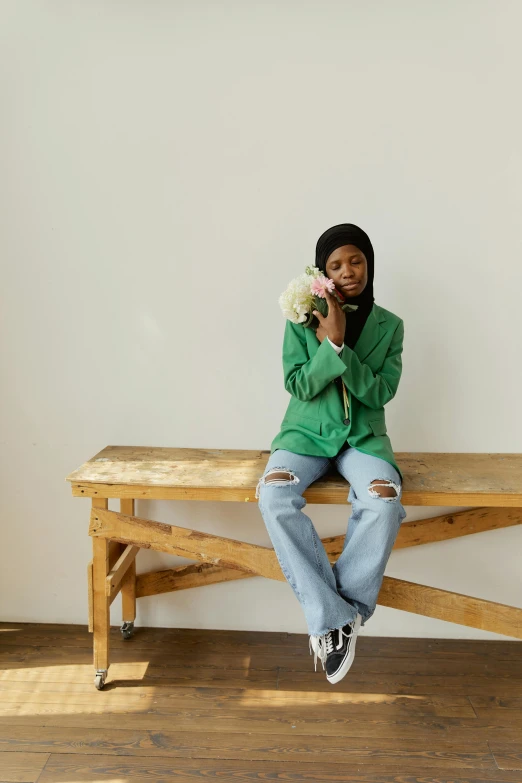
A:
x: 374, y: 389
x: 304, y: 377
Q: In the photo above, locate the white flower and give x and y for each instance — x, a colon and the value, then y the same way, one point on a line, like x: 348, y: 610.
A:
x: 297, y: 300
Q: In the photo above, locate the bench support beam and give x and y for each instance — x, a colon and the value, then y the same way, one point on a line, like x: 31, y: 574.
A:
x: 254, y: 560
x: 416, y: 533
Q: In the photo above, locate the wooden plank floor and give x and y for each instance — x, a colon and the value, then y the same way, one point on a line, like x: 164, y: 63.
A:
x: 187, y: 705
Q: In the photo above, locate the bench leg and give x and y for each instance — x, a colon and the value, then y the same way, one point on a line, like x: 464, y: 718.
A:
x: 128, y: 585
x: 101, y: 602
x: 89, y: 596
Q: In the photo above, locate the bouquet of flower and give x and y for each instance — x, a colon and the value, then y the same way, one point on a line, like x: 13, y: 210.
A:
x: 306, y: 293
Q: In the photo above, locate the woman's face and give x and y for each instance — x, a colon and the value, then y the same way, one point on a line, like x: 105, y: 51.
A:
x: 347, y: 267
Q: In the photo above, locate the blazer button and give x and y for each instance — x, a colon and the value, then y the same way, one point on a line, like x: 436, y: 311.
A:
x: 346, y: 421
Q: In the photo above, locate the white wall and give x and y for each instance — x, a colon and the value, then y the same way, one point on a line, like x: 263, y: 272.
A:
x: 167, y: 168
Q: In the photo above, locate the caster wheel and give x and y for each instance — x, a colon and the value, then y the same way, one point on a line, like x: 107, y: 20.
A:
x: 127, y: 630
x: 99, y: 679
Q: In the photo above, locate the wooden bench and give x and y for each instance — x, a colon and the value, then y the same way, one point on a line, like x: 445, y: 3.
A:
x: 490, y: 483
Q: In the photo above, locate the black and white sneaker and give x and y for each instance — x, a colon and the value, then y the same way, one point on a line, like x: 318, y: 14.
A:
x: 336, y: 649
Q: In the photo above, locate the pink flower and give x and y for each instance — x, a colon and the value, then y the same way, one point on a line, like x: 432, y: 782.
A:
x: 319, y: 284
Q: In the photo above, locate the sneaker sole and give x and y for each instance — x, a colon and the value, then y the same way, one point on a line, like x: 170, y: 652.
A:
x: 347, y: 662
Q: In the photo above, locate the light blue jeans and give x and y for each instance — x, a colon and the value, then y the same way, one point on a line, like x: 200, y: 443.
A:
x: 330, y: 595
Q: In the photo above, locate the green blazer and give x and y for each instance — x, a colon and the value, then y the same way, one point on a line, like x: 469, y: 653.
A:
x: 313, y: 422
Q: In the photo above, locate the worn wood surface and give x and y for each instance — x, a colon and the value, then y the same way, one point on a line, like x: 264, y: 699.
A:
x: 430, y: 479
x: 100, y: 601
x: 90, y: 597
x: 128, y: 585
x: 243, y: 706
x: 119, y: 570
x: 21, y: 767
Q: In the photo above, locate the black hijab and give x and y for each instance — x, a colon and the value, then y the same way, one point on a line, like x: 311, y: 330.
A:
x: 337, y: 236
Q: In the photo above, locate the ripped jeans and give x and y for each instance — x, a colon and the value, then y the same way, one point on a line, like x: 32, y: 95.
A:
x: 330, y: 595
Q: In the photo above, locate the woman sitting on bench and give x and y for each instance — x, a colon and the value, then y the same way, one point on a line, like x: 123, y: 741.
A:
x: 340, y: 377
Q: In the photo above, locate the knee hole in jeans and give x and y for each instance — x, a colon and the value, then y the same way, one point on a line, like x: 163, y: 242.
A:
x: 387, y: 489
x: 277, y: 477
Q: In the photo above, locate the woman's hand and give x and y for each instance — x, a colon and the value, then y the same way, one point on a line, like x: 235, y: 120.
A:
x: 334, y: 324
x: 320, y: 333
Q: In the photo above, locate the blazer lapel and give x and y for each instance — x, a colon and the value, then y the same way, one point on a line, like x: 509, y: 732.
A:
x: 371, y: 334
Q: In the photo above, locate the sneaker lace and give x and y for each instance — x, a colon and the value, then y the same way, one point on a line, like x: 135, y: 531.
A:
x: 325, y: 644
